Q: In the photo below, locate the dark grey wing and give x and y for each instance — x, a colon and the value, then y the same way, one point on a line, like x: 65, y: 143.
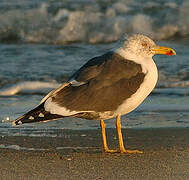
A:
x: 91, y: 69
x: 109, y: 80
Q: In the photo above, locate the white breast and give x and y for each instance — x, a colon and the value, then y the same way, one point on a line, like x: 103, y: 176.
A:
x: 150, y: 80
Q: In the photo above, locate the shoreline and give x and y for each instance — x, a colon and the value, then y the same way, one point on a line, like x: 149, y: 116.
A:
x: 78, y: 155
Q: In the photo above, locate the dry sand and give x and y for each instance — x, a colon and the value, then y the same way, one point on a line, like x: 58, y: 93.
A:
x: 78, y: 155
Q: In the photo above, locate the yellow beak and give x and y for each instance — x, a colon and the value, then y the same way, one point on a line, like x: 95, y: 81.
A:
x: 164, y: 50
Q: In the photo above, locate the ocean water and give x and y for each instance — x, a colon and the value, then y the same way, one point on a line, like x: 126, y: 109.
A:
x: 42, y: 42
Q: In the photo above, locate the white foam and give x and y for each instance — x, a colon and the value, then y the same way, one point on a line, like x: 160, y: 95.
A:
x: 92, y: 23
x: 183, y: 21
x: 142, y: 24
x: 120, y: 7
x: 29, y: 87
x: 17, y: 147
x: 77, y: 147
x: 173, y: 84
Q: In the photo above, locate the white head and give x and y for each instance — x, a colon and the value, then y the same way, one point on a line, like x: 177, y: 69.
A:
x: 143, y: 46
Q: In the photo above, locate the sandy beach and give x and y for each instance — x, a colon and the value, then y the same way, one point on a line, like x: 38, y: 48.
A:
x: 44, y: 42
x: 78, y: 155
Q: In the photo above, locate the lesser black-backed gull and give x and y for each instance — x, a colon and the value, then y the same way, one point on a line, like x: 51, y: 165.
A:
x: 107, y: 86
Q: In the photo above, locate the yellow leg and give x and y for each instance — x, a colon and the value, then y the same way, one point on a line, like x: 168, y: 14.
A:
x: 103, y: 129
x: 120, y: 138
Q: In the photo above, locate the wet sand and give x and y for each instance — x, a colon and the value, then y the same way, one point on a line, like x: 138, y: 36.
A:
x: 78, y: 155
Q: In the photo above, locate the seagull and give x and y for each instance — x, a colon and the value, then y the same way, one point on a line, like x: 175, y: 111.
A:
x: 107, y: 86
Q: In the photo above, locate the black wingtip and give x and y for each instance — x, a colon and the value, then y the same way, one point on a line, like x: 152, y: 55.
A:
x: 17, y: 121
x: 36, y: 115
x: 14, y: 123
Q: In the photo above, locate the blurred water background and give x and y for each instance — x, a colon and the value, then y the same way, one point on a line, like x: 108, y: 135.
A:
x: 42, y: 42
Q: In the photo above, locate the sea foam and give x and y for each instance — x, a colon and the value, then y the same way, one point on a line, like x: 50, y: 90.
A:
x: 30, y: 87
x: 92, y: 22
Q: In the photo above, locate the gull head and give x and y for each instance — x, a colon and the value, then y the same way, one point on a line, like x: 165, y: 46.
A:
x: 143, y: 46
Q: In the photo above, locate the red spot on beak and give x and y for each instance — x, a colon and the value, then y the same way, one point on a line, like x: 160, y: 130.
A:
x: 170, y: 53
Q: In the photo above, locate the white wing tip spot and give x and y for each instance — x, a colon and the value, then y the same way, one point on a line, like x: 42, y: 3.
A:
x: 31, y: 117
x: 19, y: 122
x: 41, y: 115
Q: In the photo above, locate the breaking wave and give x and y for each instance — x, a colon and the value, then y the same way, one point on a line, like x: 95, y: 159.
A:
x: 61, y: 22
x: 37, y: 87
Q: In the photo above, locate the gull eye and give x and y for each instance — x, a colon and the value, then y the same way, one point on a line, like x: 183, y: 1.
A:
x: 144, y: 44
